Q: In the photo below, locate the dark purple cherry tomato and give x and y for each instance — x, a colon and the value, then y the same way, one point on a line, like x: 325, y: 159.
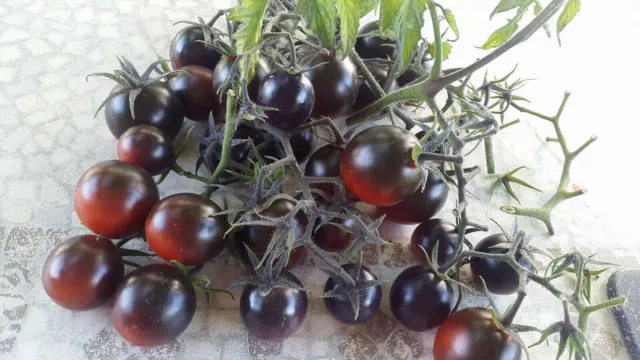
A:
x: 113, y: 198
x: 154, y: 305
x: 499, y: 276
x: 332, y: 238
x: 410, y: 75
x: 303, y: 143
x: 340, y: 306
x: 377, y: 166
x: 147, y: 147
x: 83, y: 272
x: 184, y: 227
x: 223, y: 70
x: 187, y: 50
x: 193, y: 88
x: 366, y: 96
x: 240, y: 151
x: 155, y: 105
x: 419, y: 299
x: 470, y: 334
x: 258, y: 237
x: 291, y: 94
x: 428, y: 233
x: 324, y: 162
x: 335, y: 84
x: 420, y: 206
x: 275, y: 315
x: 373, y: 47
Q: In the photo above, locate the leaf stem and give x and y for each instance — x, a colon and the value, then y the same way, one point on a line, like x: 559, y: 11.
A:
x: 226, y: 144
x: 436, y: 70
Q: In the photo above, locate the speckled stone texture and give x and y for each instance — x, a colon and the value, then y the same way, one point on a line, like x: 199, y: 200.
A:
x: 49, y: 136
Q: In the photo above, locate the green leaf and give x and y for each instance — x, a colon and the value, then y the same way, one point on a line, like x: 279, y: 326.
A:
x: 368, y: 6
x: 451, y: 20
x: 505, y: 33
x: 388, y: 11
x: 250, y: 13
x: 537, y: 8
x: 163, y: 65
x: 407, y: 25
x: 506, y: 5
x: 446, y: 49
x: 570, y: 11
x: 415, y: 152
x: 320, y: 16
x: 349, y: 14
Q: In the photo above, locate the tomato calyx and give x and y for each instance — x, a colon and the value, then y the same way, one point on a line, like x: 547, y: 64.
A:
x: 350, y: 290
x: 130, y: 81
x: 201, y: 283
x: 506, y: 179
x: 211, y: 34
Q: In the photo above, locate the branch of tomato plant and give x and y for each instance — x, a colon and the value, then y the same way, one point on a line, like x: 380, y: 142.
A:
x: 229, y: 129
x: 543, y: 212
x: 433, y: 85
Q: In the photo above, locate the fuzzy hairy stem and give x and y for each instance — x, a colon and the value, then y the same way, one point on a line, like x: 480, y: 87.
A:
x: 543, y: 212
x: 488, y: 153
x: 436, y: 70
x: 226, y: 144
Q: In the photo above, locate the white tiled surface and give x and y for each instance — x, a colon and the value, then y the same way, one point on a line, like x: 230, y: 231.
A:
x: 48, y: 137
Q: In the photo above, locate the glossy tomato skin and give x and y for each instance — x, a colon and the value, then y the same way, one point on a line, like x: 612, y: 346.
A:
x: 303, y: 144
x: 324, y: 162
x: 419, y: 299
x: 332, y: 238
x: 193, y: 88
x: 373, y: 47
x: 291, y: 94
x: 153, y: 305
x: 366, y: 96
x: 83, y: 272
x: 377, y: 167
x: 431, y: 232
x: 470, y: 334
x: 420, y: 206
x: 223, y: 70
x: 410, y: 75
x: 186, y: 50
x: 155, y: 105
x: 340, y: 306
x: 335, y: 85
x: 500, y: 277
x: 148, y: 147
x: 258, y: 237
x: 184, y: 227
x: 113, y: 198
x: 274, y: 316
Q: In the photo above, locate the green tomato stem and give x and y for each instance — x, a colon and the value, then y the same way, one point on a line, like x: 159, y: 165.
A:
x: 488, y: 152
x: 436, y: 70
x: 226, y: 144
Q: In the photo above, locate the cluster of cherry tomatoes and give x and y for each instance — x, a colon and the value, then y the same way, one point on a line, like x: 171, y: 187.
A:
x: 119, y: 199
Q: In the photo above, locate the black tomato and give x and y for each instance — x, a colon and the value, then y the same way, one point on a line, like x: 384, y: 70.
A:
x: 223, y: 70
x: 420, y: 206
x: 154, y: 305
x: 500, y: 277
x: 275, y: 315
x: 332, y: 238
x: 184, y: 227
x: 324, y: 162
x: 291, y: 94
x: 428, y: 233
x: 373, y: 47
x: 340, y: 306
x: 258, y: 237
x: 187, y: 50
x: 335, y: 84
x: 147, y: 147
x: 470, y: 334
x: 303, y: 143
x: 155, y: 105
x: 410, y: 75
x: 419, y: 299
x: 193, y: 88
x: 83, y: 272
x: 113, y: 198
x: 366, y: 96
x: 377, y: 166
